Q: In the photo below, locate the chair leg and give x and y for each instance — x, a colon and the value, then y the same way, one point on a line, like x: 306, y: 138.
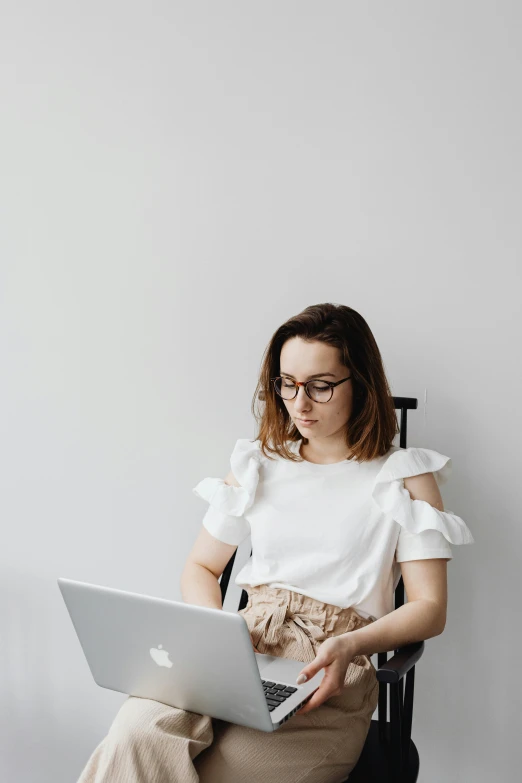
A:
x: 408, y: 715
x: 382, y: 657
x: 396, y: 732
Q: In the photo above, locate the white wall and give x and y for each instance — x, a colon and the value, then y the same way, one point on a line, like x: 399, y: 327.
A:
x: 176, y: 180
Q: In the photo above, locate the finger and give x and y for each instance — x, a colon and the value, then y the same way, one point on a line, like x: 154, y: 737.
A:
x: 310, y: 705
x: 310, y: 670
x: 324, y: 658
x: 319, y: 697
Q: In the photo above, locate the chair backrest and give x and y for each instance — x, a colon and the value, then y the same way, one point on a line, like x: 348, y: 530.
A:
x: 404, y: 404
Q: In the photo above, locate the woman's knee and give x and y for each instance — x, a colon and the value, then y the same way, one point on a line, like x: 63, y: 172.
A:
x: 141, y: 720
x: 135, y: 720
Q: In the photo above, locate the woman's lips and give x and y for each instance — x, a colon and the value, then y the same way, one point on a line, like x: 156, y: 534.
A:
x: 306, y: 423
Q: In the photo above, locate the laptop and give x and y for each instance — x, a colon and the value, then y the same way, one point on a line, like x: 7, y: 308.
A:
x: 192, y: 657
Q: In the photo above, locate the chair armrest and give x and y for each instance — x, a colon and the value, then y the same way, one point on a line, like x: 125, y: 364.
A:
x: 397, y: 667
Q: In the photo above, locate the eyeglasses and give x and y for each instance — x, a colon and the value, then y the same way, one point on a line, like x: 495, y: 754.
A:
x: 319, y: 391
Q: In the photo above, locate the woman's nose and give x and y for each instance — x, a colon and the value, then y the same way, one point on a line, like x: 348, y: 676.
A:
x: 301, y: 398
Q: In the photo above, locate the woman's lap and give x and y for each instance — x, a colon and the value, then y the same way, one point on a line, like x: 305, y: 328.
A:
x: 151, y: 741
x: 321, y: 746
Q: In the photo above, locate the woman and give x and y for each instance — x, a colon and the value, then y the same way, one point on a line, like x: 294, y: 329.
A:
x: 336, y: 514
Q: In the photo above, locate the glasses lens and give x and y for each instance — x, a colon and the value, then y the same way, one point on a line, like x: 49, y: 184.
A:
x: 286, y: 388
x: 319, y: 391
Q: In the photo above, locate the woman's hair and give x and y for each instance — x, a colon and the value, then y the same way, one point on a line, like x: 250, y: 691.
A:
x: 372, y: 425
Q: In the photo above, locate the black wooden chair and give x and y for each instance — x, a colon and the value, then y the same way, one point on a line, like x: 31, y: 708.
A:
x: 389, y: 754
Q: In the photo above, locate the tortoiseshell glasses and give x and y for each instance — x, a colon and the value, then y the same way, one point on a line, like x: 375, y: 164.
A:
x: 318, y: 391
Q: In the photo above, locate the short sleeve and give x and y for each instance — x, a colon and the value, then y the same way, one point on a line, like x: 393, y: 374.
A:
x: 425, y: 531
x: 224, y: 518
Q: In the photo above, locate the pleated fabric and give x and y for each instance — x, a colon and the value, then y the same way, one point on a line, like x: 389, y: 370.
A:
x: 151, y: 742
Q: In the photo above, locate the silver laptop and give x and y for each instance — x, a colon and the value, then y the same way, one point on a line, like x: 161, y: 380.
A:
x: 192, y: 657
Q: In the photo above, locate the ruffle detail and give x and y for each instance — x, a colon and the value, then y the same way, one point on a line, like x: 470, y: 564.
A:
x: 416, y: 516
x: 412, y: 461
x: 234, y: 501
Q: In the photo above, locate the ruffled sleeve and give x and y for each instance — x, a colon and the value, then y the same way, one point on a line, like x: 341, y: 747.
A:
x: 425, y: 531
x: 224, y: 518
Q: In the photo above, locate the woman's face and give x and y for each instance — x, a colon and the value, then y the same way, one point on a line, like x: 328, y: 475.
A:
x: 299, y: 361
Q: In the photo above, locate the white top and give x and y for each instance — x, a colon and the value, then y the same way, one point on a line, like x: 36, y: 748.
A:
x: 337, y: 532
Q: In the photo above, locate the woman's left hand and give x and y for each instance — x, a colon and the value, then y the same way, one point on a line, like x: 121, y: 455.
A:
x: 334, y: 656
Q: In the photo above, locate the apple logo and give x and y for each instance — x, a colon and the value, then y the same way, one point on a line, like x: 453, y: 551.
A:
x: 160, y: 656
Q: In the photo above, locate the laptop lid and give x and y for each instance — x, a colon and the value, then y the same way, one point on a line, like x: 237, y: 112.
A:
x: 191, y: 657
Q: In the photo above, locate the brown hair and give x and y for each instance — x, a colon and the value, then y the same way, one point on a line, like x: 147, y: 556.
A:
x: 372, y: 425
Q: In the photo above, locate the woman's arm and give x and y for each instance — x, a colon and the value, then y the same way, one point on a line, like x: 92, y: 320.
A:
x: 425, y: 583
x: 424, y: 616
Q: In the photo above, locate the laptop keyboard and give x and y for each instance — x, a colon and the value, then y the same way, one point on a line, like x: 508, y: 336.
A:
x: 276, y: 693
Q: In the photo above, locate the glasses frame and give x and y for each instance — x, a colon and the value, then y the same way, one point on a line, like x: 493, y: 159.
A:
x: 331, y: 384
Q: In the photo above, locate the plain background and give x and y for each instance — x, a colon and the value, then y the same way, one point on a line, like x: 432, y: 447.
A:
x: 179, y: 178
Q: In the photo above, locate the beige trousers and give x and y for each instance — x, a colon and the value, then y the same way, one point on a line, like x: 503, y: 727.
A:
x: 151, y: 742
